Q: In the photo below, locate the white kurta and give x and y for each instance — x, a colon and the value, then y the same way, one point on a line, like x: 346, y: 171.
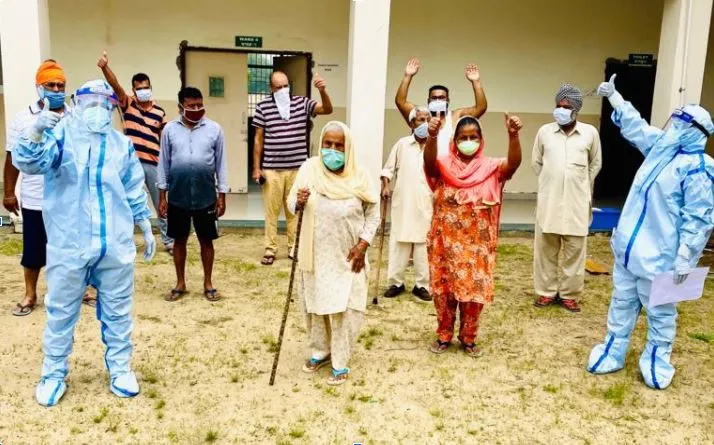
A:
x: 332, y: 287
x: 412, y: 199
x: 566, y: 166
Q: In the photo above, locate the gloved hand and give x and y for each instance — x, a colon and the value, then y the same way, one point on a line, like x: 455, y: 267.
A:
x: 681, y: 265
x: 607, y: 89
x: 149, y: 241
x: 47, y: 120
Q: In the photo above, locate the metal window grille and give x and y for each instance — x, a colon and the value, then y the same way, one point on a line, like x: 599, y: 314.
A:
x: 259, y: 68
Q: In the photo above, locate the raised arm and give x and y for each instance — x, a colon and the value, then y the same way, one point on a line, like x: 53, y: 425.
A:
x: 325, y: 105
x: 103, y: 64
x: 626, y: 117
x: 405, y: 107
x: 473, y: 75
x: 513, y: 161
x: 431, y: 150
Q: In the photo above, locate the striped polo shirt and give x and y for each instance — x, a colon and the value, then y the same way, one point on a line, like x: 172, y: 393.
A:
x: 144, y: 129
x: 285, y: 142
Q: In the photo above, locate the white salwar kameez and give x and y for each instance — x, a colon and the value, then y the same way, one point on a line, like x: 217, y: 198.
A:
x: 333, y: 297
x: 412, y: 209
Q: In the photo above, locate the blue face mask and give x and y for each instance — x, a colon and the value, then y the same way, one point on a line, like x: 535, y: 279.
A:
x: 422, y: 130
x: 56, y: 99
x: 333, y: 159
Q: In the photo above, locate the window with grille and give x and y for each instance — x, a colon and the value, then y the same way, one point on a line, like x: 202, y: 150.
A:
x: 260, y: 66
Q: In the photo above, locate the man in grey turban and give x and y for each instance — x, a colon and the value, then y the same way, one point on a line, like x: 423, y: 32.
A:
x: 566, y: 158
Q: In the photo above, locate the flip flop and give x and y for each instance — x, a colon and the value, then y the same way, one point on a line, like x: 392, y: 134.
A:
x: 175, y: 295
x: 267, y: 260
x: 91, y: 302
x: 21, y: 311
x: 211, y: 294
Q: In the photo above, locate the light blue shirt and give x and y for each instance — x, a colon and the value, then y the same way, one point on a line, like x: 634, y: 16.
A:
x: 191, y: 161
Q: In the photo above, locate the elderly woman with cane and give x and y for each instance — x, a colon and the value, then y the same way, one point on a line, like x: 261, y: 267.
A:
x: 340, y: 218
x: 468, y: 189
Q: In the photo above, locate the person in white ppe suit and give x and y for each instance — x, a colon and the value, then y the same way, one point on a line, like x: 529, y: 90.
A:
x: 93, y: 198
x: 665, y: 224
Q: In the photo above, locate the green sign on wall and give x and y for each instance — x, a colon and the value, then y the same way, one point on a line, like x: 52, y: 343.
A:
x: 249, y: 42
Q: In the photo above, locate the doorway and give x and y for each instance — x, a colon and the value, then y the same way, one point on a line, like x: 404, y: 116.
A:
x: 620, y: 160
x: 233, y: 81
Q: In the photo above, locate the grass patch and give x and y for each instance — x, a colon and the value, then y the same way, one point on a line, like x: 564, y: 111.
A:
x: 152, y: 394
x: 551, y: 389
x: 234, y: 378
x: 160, y: 404
x: 297, y: 432
x: 242, y: 266
x: 211, y: 436
x: 11, y: 247
x: 436, y: 412
x: 101, y: 416
x: 270, y: 341
x: 215, y: 321
x: 150, y: 318
x: 349, y: 409
x: 365, y: 399
x: 616, y: 393
x: 701, y: 336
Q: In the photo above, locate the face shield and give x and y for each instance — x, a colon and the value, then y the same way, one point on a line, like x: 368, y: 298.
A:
x: 681, y: 120
x: 94, y: 104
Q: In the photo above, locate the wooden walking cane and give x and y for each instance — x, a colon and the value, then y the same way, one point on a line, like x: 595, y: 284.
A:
x: 287, y: 300
x: 383, y: 226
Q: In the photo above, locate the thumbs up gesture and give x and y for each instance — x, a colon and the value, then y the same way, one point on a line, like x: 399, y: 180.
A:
x: 103, y: 61
x: 607, y: 89
x: 513, y: 124
x: 47, y: 120
x: 319, y: 82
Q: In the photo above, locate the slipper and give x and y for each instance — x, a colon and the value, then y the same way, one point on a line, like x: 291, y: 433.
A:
x: 267, y: 260
x: 211, y: 294
x: 91, y: 302
x: 175, y: 295
x: 21, y: 311
x: 472, y: 350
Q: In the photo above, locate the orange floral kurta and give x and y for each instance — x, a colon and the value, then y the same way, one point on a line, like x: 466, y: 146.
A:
x: 462, y: 247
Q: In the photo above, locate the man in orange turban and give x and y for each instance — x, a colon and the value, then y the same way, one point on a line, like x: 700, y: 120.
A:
x: 50, y: 81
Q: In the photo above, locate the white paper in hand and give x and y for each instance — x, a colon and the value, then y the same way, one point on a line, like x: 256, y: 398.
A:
x: 664, y: 290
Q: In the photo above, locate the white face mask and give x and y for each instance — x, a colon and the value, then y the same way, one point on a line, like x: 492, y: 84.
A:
x: 422, y: 131
x: 282, y: 100
x: 438, y: 106
x: 563, y: 116
x: 144, y: 94
x: 98, y: 119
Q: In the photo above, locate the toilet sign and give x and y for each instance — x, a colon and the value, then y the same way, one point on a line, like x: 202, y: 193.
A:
x: 641, y: 60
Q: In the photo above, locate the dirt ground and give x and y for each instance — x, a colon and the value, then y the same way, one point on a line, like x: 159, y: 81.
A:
x: 204, y: 367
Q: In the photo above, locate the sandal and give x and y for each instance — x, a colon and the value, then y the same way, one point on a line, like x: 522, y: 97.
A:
x: 439, y: 347
x: 338, y: 377
x: 211, y: 294
x: 313, y: 365
x: 175, y: 295
x: 23, y: 310
x: 473, y: 351
x: 268, y: 260
x: 89, y: 300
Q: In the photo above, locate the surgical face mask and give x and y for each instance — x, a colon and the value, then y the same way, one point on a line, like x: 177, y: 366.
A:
x: 438, y: 107
x: 563, y: 116
x: 144, y: 95
x: 333, y: 159
x: 422, y: 131
x: 468, y: 148
x: 193, y: 116
x: 56, y: 99
x: 97, y: 118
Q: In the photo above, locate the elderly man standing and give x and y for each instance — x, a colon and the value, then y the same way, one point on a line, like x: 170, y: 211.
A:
x: 281, y: 124
x: 566, y: 158
x: 412, y: 207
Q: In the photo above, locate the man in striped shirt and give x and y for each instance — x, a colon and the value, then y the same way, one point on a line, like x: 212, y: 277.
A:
x: 143, y: 120
x: 281, y: 124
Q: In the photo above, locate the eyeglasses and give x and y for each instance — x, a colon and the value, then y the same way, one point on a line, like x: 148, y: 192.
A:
x: 58, y: 85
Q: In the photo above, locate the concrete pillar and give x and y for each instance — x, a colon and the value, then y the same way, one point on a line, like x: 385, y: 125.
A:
x: 681, y: 57
x: 367, y: 81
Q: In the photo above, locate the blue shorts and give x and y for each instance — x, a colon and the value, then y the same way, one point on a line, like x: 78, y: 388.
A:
x: 34, y: 239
